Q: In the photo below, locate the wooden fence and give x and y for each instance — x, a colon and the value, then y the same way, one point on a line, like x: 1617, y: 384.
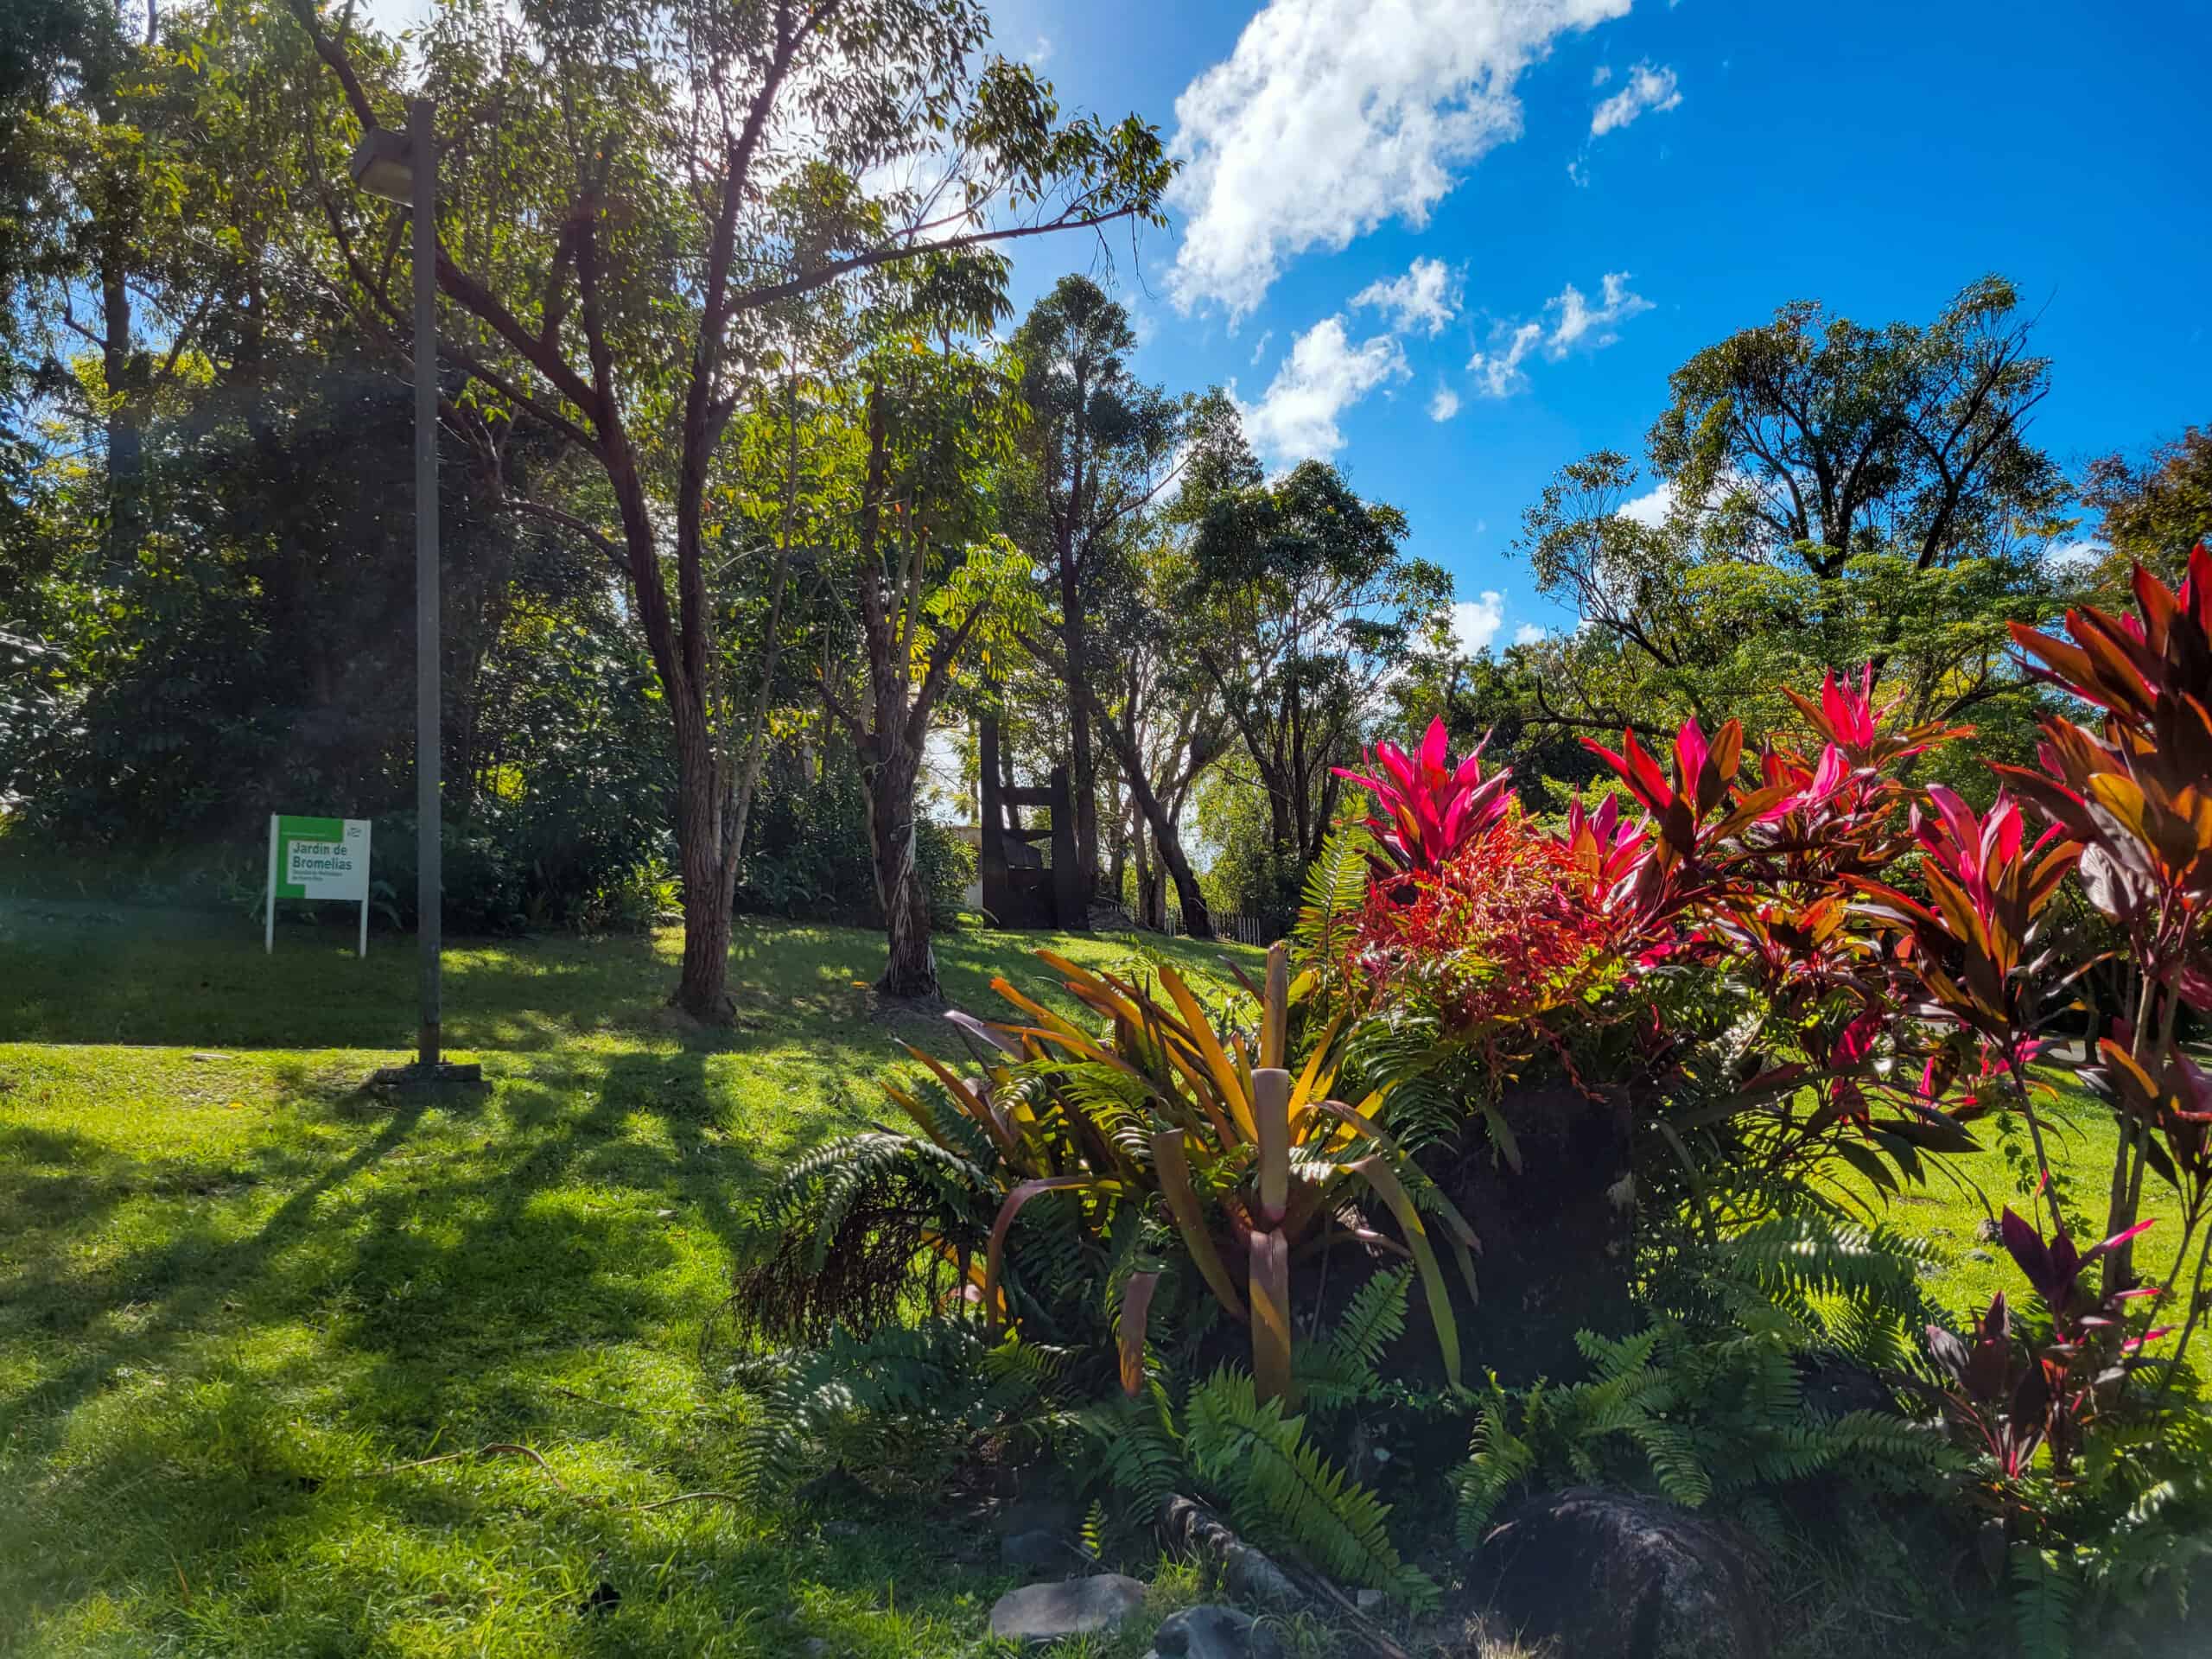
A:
x: 1232, y: 926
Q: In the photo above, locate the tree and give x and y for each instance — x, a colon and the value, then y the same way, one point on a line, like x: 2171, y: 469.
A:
x: 1159, y: 715
x: 1098, y: 450
x: 2155, y: 510
x: 1813, y: 438
x: 641, y: 202
x: 931, y: 585
x: 1308, y: 607
x: 1826, y: 494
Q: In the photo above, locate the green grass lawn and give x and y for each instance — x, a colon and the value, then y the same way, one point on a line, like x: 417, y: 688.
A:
x: 1960, y: 1193
x: 235, y: 1292
x: 238, y: 1294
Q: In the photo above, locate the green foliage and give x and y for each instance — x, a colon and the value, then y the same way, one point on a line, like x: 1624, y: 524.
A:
x: 809, y: 855
x: 1347, y: 1367
x: 1282, y: 1489
x: 1718, y: 1420
x: 1832, y: 492
x: 1334, y: 893
x: 836, y: 1242
x: 2046, y: 1591
x: 895, y: 1409
x: 2154, y: 510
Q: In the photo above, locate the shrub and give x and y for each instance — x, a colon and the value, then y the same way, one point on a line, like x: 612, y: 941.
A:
x: 807, y: 851
x: 1181, y: 1160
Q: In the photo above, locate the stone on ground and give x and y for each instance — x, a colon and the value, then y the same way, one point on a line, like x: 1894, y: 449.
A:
x: 1608, y: 1575
x: 1050, y: 1613
x: 1209, y: 1632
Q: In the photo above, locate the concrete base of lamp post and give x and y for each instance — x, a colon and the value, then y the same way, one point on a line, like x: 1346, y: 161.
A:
x: 446, y: 1074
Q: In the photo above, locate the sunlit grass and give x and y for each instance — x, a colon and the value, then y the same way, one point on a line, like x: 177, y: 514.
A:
x: 237, y: 1294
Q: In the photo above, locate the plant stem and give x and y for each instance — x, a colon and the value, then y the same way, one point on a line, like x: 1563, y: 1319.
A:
x: 2035, y: 1133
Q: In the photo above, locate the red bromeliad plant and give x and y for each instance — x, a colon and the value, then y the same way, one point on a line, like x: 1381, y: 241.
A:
x: 1432, y: 806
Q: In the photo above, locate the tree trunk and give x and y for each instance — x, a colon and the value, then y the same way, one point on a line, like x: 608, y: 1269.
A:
x: 125, y: 372
x: 911, y: 970
x: 702, y: 990
x: 1167, y: 841
x: 1118, y: 858
x: 1083, y: 769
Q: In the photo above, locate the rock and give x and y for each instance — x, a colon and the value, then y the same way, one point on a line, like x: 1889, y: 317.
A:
x: 1987, y: 1230
x: 1558, y: 1232
x: 1209, y: 1632
x: 1979, y: 1255
x: 1042, y: 1510
x: 1049, y: 1612
x: 1608, y: 1575
x: 1038, y: 1550
x: 1838, y: 1387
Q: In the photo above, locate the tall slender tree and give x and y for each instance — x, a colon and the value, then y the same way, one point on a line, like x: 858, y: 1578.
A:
x: 640, y: 202
x: 1310, y: 605
x: 1100, y: 447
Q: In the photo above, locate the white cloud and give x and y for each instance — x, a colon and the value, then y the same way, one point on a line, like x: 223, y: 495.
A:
x: 1261, y: 350
x: 1499, y: 368
x: 1444, y: 405
x: 1041, y: 53
x: 1646, y: 89
x: 1323, y: 375
x: 1579, y: 173
x: 1601, y: 74
x: 1528, y: 634
x: 1651, y: 507
x: 1421, y: 301
x: 2073, y: 555
x: 1576, y: 326
x: 1334, y: 116
x: 1475, y: 622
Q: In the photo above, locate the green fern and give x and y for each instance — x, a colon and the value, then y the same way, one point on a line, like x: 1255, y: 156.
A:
x: 1811, y: 1253
x: 1139, y: 1449
x: 1500, y: 1460
x: 1279, y: 1488
x: 1346, y: 1369
x: 1334, y: 891
x: 1697, y: 1422
x: 2045, y: 1591
x: 838, y: 1240
x: 940, y: 1384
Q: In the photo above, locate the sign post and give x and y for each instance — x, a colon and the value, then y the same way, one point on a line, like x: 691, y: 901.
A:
x: 317, y: 858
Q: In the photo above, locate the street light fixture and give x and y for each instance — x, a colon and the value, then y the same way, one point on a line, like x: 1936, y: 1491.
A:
x: 404, y: 169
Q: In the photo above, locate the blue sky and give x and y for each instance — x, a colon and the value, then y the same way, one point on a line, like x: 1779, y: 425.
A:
x: 1877, y: 156
x: 1613, y: 184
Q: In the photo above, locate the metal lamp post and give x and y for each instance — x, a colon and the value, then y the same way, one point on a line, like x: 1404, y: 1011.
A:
x: 404, y: 170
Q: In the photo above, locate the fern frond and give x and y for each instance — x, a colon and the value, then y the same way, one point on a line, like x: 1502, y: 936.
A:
x: 1282, y: 1490
x: 836, y: 1241
x: 2046, y: 1592
x: 1500, y: 1460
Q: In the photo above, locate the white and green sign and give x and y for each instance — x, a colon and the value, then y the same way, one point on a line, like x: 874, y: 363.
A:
x: 318, y: 858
